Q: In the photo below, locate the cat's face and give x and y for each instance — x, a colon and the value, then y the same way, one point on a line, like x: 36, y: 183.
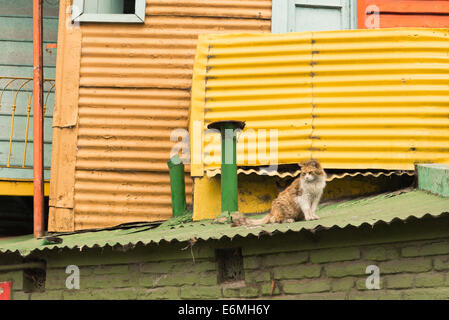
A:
x: 311, y: 170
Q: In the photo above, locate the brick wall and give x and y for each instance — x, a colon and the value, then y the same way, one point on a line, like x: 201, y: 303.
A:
x: 288, y: 266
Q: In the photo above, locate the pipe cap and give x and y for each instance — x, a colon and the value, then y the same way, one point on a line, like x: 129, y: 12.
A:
x: 220, y: 124
x: 174, y: 161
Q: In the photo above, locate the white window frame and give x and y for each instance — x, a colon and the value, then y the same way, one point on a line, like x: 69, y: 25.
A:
x: 78, y: 14
x: 281, y: 14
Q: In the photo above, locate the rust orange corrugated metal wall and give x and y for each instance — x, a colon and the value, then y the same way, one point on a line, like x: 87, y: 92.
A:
x: 134, y: 89
x: 402, y: 13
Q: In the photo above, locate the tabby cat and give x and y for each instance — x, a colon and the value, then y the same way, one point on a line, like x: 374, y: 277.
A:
x: 297, y: 202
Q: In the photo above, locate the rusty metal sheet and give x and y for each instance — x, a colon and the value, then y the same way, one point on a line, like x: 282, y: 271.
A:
x: 255, y: 9
x: 128, y: 129
x: 354, y: 99
x: 134, y: 90
x: 160, y: 53
x: 109, y: 198
x: 65, y: 117
x: 122, y: 152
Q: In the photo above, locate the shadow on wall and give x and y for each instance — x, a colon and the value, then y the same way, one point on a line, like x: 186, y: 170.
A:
x: 16, y: 215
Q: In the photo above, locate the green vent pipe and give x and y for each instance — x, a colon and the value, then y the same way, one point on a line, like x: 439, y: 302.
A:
x: 177, y: 185
x: 229, y: 185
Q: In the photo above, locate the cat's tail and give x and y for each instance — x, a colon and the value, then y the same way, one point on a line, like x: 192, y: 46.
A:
x: 240, y: 220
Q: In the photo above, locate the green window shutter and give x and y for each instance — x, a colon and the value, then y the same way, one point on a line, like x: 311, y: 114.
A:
x: 313, y: 15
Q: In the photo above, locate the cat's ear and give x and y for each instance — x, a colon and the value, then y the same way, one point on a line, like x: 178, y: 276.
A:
x: 311, y: 162
x: 317, y: 164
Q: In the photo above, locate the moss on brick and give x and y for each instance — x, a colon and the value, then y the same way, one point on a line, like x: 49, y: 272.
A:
x: 190, y: 265
x: 379, y: 253
x: 18, y: 295
x: 159, y: 293
x: 252, y: 262
x: 231, y: 292
x: 375, y: 295
x: 56, y: 278
x: 116, y: 294
x: 267, y: 287
x: 79, y: 295
x: 360, y: 284
x: 55, y: 283
x: 200, y: 292
x: 249, y: 292
x: 283, y: 259
x: 116, y: 269
x: 441, y: 263
x: 426, y: 294
x: 427, y: 280
x: 286, y: 297
x: 338, y: 273
x: 149, y: 280
x: 297, y: 272
x: 426, y: 250
x: 60, y: 272
x: 253, y: 276
x: 334, y: 254
x: 207, y: 278
x: 344, y: 269
x: 84, y: 271
x: 305, y: 286
x: 202, y: 266
x: 46, y: 295
x: 322, y: 296
x: 177, y: 279
x: 406, y: 265
x: 109, y: 281
x: 399, y: 281
x: 15, y: 276
x: 343, y: 284
x: 157, y: 267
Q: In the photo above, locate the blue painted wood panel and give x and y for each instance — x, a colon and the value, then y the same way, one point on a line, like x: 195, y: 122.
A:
x: 16, y: 60
x: 18, y: 28
x: 25, y: 8
x: 313, y: 15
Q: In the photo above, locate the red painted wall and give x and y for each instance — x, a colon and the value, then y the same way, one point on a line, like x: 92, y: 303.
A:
x: 403, y: 13
x: 5, y: 290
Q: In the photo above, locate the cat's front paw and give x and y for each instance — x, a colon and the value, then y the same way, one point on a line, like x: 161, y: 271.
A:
x: 312, y: 216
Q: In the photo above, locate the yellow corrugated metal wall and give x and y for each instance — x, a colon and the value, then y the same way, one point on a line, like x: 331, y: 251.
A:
x: 134, y: 89
x: 354, y: 99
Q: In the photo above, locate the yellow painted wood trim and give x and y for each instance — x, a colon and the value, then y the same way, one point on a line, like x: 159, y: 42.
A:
x: 206, y: 198
x: 255, y: 194
x: 20, y: 188
x: 198, y: 102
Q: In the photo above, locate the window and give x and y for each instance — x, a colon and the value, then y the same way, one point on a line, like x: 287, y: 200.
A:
x: 313, y: 15
x: 230, y: 265
x: 118, y: 11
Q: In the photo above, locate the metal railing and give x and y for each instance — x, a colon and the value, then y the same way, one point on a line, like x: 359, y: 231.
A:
x: 15, y: 88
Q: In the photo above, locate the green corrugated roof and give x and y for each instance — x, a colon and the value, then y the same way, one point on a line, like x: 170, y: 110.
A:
x: 370, y: 210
